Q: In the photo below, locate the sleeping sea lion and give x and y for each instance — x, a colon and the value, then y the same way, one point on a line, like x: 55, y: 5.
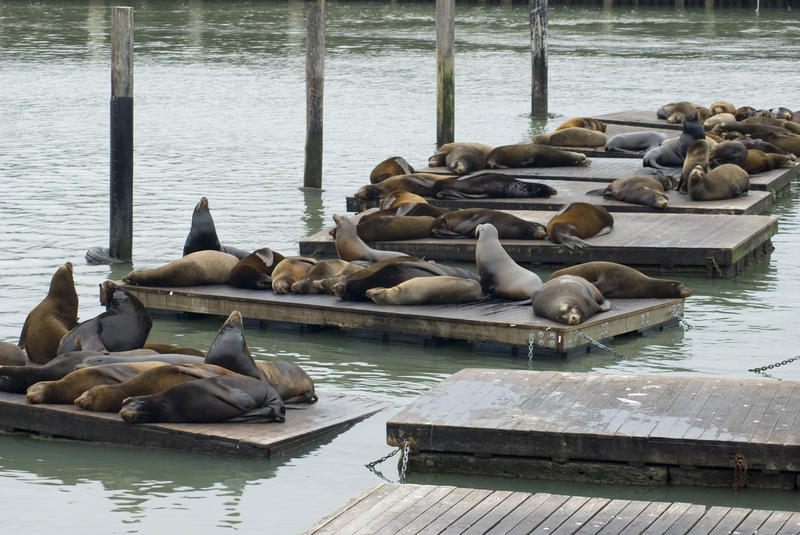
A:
x: 173, y: 349
x: 573, y: 136
x: 722, y: 106
x: 634, y: 142
x: 533, y: 155
x: 393, y: 228
x: 203, y: 234
x: 727, y: 152
x: 12, y: 355
x: 672, y: 154
x: 291, y: 381
x: 461, y: 224
x: 677, y: 113
x: 759, y: 161
x: 350, y: 247
x: 418, y: 183
x: 400, y: 198
x: 723, y: 182
x: 646, y: 190
x: 52, y: 318
x: 436, y: 290
x: 290, y: 270
x: 394, y: 165
x: 254, y: 271
x: 760, y: 144
x: 576, y: 221
x: 323, y: 269
x: 500, y: 275
x: 790, y: 126
x: 489, y: 185
x: 744, y: 112
x: 194, y: 269
x: 720, y: 118
x: 697, y: 154
x: 620, y: 281
x: 568, y: 299
x: 782, y: 112
x: 461, y: 158
x: 583, y: 122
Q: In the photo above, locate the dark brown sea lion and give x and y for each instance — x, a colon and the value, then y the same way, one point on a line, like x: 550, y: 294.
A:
x: 462, y: 223
x: 194, y: 269
x: 229, y: 348
x: 620, y: 281
x: 350, y: 247
x: 394, y: 165
x: 583, y: 122
x: 225, y: 398
x: 324, y: 269
x: 123, y: 326
x: 393, y: 228
x: 576, y: 221
x: 722, y: 106
x: 12, y: 355
x: 52, y: 318
x: 290, y: 270
x: 759, y: 161
x: 418, y: 183
x: 291, y: 381
x: 572, y: 137
x: 762, y: 131
x: 568, y: 299
x: 790, y: 126
x: 634, y: 142
x: 173, y: 349
x: 727, y: 152
x: 789, y: 143
x: 743, y: 112
x: 533, y: 155
x: 760, y: 144
x: 461, y: 158
x: 254, y: 271
x: 500, y: 274
x: 76, y: 382
x: 203, y: 234
x: 697, y: 154
x: 438, y: 290
x: 672, y: 154
x: 646, y: 190
x: 723, y: 182
x: 489, y: 185
x: 703, y: 113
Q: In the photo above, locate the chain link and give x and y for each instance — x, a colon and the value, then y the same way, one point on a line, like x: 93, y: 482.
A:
x: 775, y: 365
x: 602, y: 346
x: 680, y: 318
x: 404, y: 465
x: 531, y: 338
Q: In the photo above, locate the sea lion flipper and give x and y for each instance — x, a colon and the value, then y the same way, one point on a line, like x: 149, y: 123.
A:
x: 572, y: 243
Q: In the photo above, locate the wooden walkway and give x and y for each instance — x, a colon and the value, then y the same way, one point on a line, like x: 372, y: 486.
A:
x: 755, y: 202
x: 332, y: 414
x: 606, y: 428
x: 639, y: 118
x: 389, y: 509
x: 718, y: 245
x: 485, y: 324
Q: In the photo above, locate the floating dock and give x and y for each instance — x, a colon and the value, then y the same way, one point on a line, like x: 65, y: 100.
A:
x: 717, y: 245
x: 644, y: 119
x: 754, y: 203
x: 639, y: 430
x: 408, y: 509
x: 493, y: 325
x: 332, y: 414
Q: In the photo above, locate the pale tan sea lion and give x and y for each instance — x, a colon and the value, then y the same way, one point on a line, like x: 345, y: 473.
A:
x: 572, y: 137
x: 290, y: 270
x: 568, y: 299
x: 533, y: 155
x: 500, y: 274
x: 437, y: 290
x: 394, y: 165
x: 194, y: 269
x: 583, y: 122
x: 722, y: 107
x: 646, y: 190
x: 350, y: 247
x: 324, y: 269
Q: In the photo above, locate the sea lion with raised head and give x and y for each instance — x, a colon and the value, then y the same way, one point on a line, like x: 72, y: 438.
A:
x: 254, y: 271
x: 568, y: 299
x: 533, y: 155
x: 500, y: 275
x: 634, y: 142
x: 394, y: 165
x: 583, y: 122
x: 290, y: 270
x: 350, y: 247
x: 437, y: 290
x: 697, y: 154
x: 489, y: 185
x: 577, y: 221
x: 573, y: 136
x: 461, y: 224
x: 723, y: 182
x: 229, y: 348
x: 672, y: 154
x: 646, y: 190
x: 620, y: 281
x: 203, y: 234
x: 194, y: 269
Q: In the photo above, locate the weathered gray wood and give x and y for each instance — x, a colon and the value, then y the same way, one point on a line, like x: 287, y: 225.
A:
x: 645, y: 519
x: 774, y: 523
x: 732, y: 519
x: 315, y: 85
x: 605, y: 515
x: 710, y: 520
x: 439, y: 509
x: 560, y: 515
x: 792, y: 525
x: 677, y: 519
x: 445, y: 71
x: 583, y: 515
x: 752, y: 522
x: 538, y: 17
x: 539, y: 515
x: 456, y: 512
x: 513, y: 518
x: 405, y: 521
x: 122, y: 52
x: 480, y: 511
x: 378, y: 517
x: 624, y: 517
x: 638, y: 118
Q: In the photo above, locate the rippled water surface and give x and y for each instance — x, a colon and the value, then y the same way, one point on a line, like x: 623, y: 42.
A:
x: 219, y: 112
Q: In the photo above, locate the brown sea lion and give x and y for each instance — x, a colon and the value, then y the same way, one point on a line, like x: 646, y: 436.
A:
x: 461, y: 224
x: 461, y: 158
x: 782, y: 112
x: 572, y: 137
x: 646, y: 190
x: 437, y: 290
x: 635, y: 142
x: 568, y: 299
x: 52, y: 318
x: 290, y: 270
x: 12, y: 355
x: 760, y: 144
x: 663, y: 111
x: 722, y: 106
x: 679, y: 111
x: 489, y: 185
x: 789, y: 126
x: 703, y: 113
x: 576, y: 221
x: 393, y: 228
x: 394, y: 165
x: 173, y: 349
x: 203, y: 234
x: 743, y: 112
x: 290, y: 380
x: 194, y: 269
x: 350, y: 247
x: 760, y: 162
x: 229, y: 348
x: 583, y: 122
x: 762, y: 131
x: 500, y: 274
x: 533, y: 155
x: 620, y: 281
x: 697, y: 154
x: 254, y: 271
x: 324, y: 269
x: 720, y: 118
x: 400, y: 198
x: 727, y: 152
x: 419, y: 183
x: 225, y: 398
x: 723, y: 182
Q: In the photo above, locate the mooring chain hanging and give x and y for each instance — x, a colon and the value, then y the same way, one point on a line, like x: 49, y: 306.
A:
x: 602, y: 346
x: 531, y: 338
x: 680, y: 318
x: 770, y: 366
x: 404, y: 464
x: 739, y: 471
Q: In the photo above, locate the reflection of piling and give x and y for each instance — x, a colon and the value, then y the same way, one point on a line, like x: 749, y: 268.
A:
x: 538, y: 10
x: 121, y: 227
x: 315, y: 79
x: 445, y: 98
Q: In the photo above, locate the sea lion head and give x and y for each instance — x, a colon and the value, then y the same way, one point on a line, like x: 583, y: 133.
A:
x: 569, y: 313
x: 136, y: 410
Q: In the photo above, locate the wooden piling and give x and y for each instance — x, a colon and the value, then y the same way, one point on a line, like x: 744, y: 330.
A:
x: 315, y: 80
x: 445, y: 87
x: 538, y: 13
x: 121, y: 191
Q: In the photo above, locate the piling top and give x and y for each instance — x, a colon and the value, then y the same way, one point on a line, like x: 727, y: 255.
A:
x: 122, y: 52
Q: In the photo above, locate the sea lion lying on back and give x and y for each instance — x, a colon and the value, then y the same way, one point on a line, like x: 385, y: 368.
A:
x: 461, y: 158
x: 394, y: 165
x: 533, y: 155
x: 489, y: 185
x: 572, y: 137
x: 647, y: 190
x: 618, y: 280
x: 462, y: 223
x: 568, y: 299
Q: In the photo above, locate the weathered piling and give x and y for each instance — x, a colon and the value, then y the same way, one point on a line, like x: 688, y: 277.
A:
x: 538, y: 12
x: 315, y: 80
x: 445, y: 88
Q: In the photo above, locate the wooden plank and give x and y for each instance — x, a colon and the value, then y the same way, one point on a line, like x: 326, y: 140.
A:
x: 645, y: 519
x: 539, y: 515
x: 624, y: 517
x: 454, y: 496
x: 734, y: 518
x: 456, y: 512
x: 752, y: 523
x: 774, y: 523
x: 513, y: 518
x: 639, y: 118
x: 709, y: 521
x: 358, y: 514
x: 497, y: 514
x: 583, y: 515
x: 677, y: 517
x: 373, y: 494
x: 398, y: 509
x: 604, y: 516
x: 792, y: 525
x: 560, y: 515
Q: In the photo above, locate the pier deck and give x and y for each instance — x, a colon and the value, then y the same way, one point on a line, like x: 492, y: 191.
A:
x: 485, y: 324
x: 718, y: 245
x: 654, y: 430
x: 411, y: 509
x: 332, y: 414
x: 644, y: 119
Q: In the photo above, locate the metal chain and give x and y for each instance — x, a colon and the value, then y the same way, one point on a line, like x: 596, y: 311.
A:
x: 602, y: 346
x: 770, y: 366
x: 404, y: 465
x: 680, y: 318
x: 531, y: 338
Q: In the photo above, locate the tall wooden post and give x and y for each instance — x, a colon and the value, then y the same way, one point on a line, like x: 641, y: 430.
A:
x: 538, y: 9
x: 315, y: 80
x: 121, y: 224
x: 445, y: 88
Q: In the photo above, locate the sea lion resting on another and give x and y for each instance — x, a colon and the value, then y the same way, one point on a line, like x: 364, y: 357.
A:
x: 255, y: 270
x: 289, y: 271
x: 461, y: 158
x: 635, y: 142
x: 583, y: 122
x: 394, y: 165
x: 724, y: 182
x: 12, y: 355
x: 418, y: 183
x: 620, y: 281
x: 194, y: 269
x: 399, y: 198
x: 576, y: 221
x: 672, y: 154
x: 675, y: 112
x: 500, y: 275
x: 350, y: 247
x: 568, y: 299
x: 759, y: 161
x: 572, y: 137
x: 489, y: 185
x: 436, y: 290
x: 533, y: 155
x: 727, y: 152
x: 203, y: 234
x: 722, y: 106
x: 324, y: 269
x: 462, y: 223
x: 647, y: 190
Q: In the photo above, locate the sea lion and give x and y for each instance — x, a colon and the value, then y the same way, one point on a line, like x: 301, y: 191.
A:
x: 782, y: 112
x: 194, y: 269
x: 727, y: 152
x: 461, y: 224
x: 743, y: 112
x: 568, y: 299
x: 533, y: 155
x: 76, y: 382
x: 703, y: 113
x: 723, y: 182
x: 291, y: 381
x: 634, y: 142
x: 323, y: 269
x: 500, y: 275
x: 762, y: 131
x: 394, y: 165
x: 437, y: 290
x: 789, y: 143
x: 418, y: 183
x: 290, y: 270
x: 789, y: 126
x: 583, y: 122
x: 399, y: 198
x: 646, y: 190
x: 620, y: 281
x: 720, y: 118
x: 722, y: 106
x: 350, y: 247
x: 679, y: 111
x: 225, y: 398
x: 123, y: 326
x: 759, y: 161
x: 254, y: 271
x: 489, y: 185
x: 393, y: 228
x: 203, y: 234
x: 573, y: 136
x: 229, y: 348
x: 461, y: 158
x: 52, y: 318
x: 12, y: 355
x: 697, y: 154
x: 760, y: 144
x: 576, y: 221
x: 113, y: 358
x: 173, y: 349
x: 672, y: 154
